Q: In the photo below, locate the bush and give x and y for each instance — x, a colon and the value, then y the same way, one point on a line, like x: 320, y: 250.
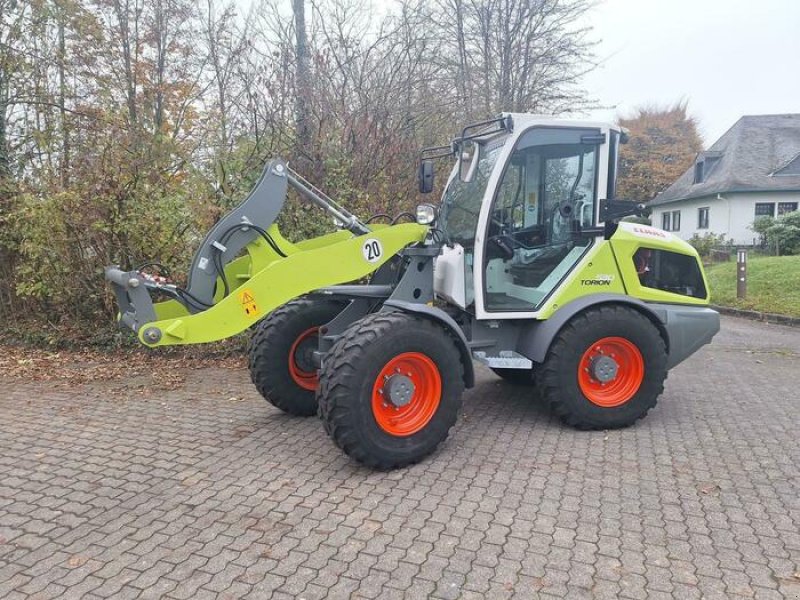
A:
x: 781, y: 235
x: 706, y: 243
x: 760, y: 226
x: 127, y: 207
x: 118, y: 207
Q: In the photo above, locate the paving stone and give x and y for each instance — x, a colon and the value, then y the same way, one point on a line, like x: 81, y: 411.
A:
x: 206, y: 491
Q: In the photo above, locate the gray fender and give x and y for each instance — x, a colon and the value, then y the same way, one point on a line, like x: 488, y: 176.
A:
x: 535, y: 340
x: 446, y: 321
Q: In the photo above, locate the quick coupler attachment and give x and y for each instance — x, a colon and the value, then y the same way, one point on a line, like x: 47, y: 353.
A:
x: 133, y: 297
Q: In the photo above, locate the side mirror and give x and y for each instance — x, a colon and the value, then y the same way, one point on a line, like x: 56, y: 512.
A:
x: 425, y: 176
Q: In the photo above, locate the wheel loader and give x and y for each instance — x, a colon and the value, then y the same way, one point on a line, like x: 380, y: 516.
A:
x: 526, y: 266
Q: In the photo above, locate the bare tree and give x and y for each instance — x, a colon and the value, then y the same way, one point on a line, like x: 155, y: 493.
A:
x: 517, y: 55
x: 128, y: 15
x: 303, y: 76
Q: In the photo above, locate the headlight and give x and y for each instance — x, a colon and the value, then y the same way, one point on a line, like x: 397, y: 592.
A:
x: 426, y: 214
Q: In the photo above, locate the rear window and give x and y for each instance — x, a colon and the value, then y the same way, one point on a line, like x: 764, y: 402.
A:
x: 669, y: 272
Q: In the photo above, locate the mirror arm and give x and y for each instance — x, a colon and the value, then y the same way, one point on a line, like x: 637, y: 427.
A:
x: 434, y: 152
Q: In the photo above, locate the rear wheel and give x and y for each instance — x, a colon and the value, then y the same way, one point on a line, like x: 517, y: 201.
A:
x: 605, y: 369
x: 390, y: 389
x: 516, y: 376
x: 280, y: 354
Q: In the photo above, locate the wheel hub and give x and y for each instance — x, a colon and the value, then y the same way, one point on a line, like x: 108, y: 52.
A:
x: 303, y: 355
x: 603, y: 368
x: 406, y: 394
x: 611, y: 371
x: 399, y: 389
x: 301, y: 367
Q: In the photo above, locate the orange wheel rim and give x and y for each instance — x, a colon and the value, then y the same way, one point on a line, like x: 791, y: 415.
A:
x: 406, y: 394
x: 308, y: 380
x: 610, y: 372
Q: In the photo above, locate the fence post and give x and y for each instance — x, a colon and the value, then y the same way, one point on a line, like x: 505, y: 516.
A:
x: 741, y: 274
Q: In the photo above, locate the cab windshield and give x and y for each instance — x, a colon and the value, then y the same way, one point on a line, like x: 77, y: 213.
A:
x: 461, y: 204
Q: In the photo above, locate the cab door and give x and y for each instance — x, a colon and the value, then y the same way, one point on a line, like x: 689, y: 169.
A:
x: 546, y: 196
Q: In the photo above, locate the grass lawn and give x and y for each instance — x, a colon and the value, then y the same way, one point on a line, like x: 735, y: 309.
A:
x: 773, y: 284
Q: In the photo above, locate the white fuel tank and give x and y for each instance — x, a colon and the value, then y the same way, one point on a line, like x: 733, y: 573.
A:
x: 451, y: 281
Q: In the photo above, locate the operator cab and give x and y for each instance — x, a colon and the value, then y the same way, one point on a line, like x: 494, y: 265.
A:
x: 520, y: 210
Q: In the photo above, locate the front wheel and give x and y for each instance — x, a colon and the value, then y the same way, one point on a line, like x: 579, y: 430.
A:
x: 605, y: 369
x: 390, y: 389
x: 280, y: 354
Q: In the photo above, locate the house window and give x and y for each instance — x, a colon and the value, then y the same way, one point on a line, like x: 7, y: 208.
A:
x: 698, y: 171
x: 786, y: 207
x: 676, y: 220
x: 791, y: 169
x: 671, y: 221
x: 710, y: 163
x: 765, y: 209
x: 702, y: 218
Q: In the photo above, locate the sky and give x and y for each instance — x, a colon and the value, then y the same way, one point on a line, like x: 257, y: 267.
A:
x: 727, y: 58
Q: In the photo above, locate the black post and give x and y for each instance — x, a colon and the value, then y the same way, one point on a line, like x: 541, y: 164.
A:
x: 741, y: 274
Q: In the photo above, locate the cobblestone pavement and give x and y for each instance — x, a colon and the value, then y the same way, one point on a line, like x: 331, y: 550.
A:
x: 206, y: 491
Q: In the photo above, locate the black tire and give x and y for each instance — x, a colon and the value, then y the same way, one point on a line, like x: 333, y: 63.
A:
x: 516, y: 376
x: 269, y: 353
x: 559, y: 375
x: 348, y: 379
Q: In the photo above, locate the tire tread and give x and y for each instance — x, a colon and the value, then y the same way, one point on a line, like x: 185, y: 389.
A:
x: 549, y: 375
x: 336, y: 393
x: 264, y: 372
